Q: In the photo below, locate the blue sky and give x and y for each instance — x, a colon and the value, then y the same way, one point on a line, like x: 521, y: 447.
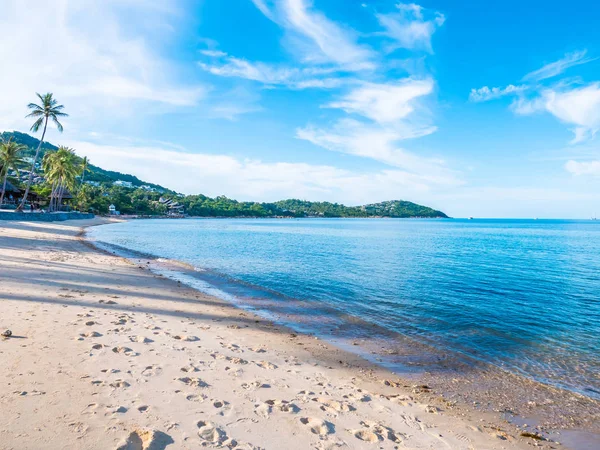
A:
x: 476, y: 108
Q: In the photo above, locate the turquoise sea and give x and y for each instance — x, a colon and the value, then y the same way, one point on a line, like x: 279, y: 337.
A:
x: 523, y: 295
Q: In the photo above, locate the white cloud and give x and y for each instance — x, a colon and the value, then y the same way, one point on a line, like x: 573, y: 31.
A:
x: 578, y: 107
x: 318, y: 39
x: 213, y: 53
x: 88, y: 57
x: 264, y: 8
x: 371, y: 141
x: 583, y: 167
x: 485, y: 93
x: 409, y: 29
x: 272, y: 75
x: 557, y: 67
x: 247, y: 179
x: 385, y: 103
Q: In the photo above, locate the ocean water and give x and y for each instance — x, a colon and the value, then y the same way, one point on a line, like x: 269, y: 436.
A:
x: 523, y: 295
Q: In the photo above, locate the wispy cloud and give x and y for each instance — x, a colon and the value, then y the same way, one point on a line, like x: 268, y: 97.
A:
x: 264, y: 8
x: 213, y: 53
x: 567, y: 100
x: 485, y: 93
x: 583, y: 167
x: 316, y: 38
x: 578, y: 107
x: 371, y: 141
x: 409, y: 28
x: 558, y: 67
x: 272, y: 75
x: 385, y: 103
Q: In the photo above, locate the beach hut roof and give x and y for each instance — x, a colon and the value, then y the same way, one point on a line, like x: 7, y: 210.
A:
x: 10, y: 187
x: 65, y: 196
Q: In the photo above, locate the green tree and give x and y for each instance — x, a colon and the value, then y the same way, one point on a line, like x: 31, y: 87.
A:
x: 85, y: 162
x: 83, y: 198
x: 61, y: 169
x: 49, y: 109
x: 10, y: 159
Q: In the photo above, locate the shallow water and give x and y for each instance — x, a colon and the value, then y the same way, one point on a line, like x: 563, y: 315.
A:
x: 523, y: 295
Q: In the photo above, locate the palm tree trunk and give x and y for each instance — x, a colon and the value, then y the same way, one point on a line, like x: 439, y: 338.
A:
x: 3, y: 187
x: 52, y: 194
x: 37, y: 153
x: 56, y: 197
x: 60, y: 196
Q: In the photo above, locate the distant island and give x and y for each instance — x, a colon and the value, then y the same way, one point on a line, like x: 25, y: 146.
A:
x: 130, y: 195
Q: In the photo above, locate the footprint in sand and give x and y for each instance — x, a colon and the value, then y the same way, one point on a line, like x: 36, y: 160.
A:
x: 232, y: 347
x: 194, y: 382
x: 375, y: 432
x: 189, y: 369
x: 124, y: 350
x: 266, y: 365
x: 89, y: 334
x: 186, y: 338
x: 412, y: 422
x: 196, y: 398
x: 210, y: 433
x: 152, y: 371
x: 146, y: 440
x: 231, y: 359
x: 119, y: 384
x: 252, y: 385
x: 284, y: 406
x: 333, y: 406
x: 219, y: 403
x: 140, y: 339
x: 91, y: 408
x: 221, y: 406
x: 318, y: 426
x: 257, y: 349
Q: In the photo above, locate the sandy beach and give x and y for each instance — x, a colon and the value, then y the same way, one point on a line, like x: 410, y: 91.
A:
x: 105, y: 354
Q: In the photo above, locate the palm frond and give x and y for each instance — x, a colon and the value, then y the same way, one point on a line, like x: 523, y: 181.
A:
x: 57, y: 123
x: 36, y: 113
x: 37, y: 124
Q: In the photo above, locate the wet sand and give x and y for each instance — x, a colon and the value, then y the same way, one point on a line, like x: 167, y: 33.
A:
x: 107, y: 354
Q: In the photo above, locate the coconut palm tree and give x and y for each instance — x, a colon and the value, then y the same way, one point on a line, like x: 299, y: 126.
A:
x: 49, y: 109
x: 85, y: 162
x: 61, y: 169
x: 10, y: 159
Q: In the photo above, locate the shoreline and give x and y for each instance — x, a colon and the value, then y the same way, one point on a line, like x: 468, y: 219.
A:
x: 57, y: 282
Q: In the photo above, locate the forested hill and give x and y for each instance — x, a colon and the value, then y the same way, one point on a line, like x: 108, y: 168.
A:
x: 95, y: 174
x: 143, y: 198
